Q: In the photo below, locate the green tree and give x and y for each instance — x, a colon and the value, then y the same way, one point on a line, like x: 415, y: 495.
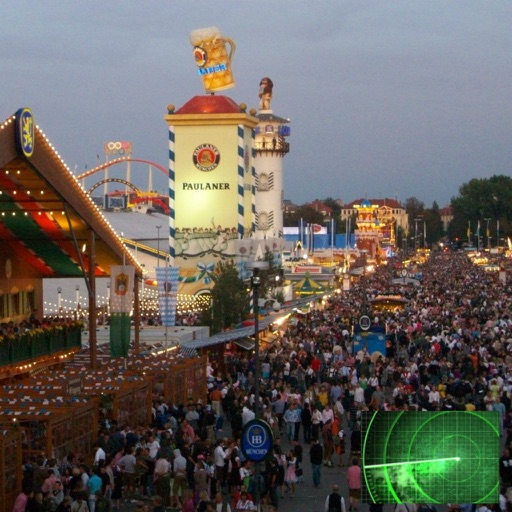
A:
x: 334, y: 206
x: 479, y: 200
x: 415, y: 209
x: 416, y: 213
x: 434, y: 224
x: 308, y: 214
x: 230, y: 299
x: 270, y: 279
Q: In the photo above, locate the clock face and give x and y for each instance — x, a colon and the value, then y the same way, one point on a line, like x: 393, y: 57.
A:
x: 8, y: 268
x: 430, y: 457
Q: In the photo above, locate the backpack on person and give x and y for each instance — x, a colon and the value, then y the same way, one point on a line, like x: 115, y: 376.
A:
x: 335, y: 503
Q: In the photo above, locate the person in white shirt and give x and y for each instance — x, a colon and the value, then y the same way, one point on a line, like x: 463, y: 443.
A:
x: 99, y: 454
x: 247, y: 415
x: 359, y: 395
x: 327, y: 414
x: 316, y: 420
x: 220, y: 456
x: 339, y: 410
x: 180, y: 477
x: 433, y: 396
x: 244, y: 503
x: 153, y: 446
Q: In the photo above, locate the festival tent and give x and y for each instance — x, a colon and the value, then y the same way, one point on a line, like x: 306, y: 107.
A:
x: 308, y: 286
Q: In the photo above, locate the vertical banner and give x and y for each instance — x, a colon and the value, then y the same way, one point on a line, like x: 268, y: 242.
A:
x: 167, y: 279
x: 121, y: 303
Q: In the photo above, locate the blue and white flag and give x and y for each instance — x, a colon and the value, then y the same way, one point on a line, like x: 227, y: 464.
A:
x: 167, y: 279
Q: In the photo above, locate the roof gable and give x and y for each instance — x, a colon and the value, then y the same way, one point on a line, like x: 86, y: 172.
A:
x: 210, y: 104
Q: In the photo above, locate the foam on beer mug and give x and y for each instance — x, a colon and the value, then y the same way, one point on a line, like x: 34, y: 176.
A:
x: 204, y: 35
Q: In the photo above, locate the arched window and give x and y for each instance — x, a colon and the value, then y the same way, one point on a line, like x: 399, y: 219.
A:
x: 263, y: 183
x: 263, y: 221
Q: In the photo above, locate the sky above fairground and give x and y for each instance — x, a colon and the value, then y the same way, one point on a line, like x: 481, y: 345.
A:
x: 385, y: 98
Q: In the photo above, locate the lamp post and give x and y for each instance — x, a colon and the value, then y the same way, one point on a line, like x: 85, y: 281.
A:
x: 59, y: 300
x: 256, y: 267
x: 77, y: 290
x: 487, y: 232
x: 416, y: 233
x: 108, y: 299
x: 158, y: 245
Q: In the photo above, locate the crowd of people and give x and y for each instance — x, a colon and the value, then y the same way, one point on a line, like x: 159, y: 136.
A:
x: 448, y: 348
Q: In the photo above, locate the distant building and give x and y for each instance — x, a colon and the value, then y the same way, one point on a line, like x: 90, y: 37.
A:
x: 318, y: 206
x: 388, y: 211
x: 289, y: 207
x: 446, y: 217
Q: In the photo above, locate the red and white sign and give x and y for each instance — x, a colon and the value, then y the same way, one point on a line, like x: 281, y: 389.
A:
x: 118, y: 148
x: 302, y: 269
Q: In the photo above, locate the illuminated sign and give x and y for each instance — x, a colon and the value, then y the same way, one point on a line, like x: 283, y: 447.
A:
x: 117, y: 148
x: 206, y: 186
x: 25, y: 131
x: 302, y: 269
x: 206, y: 157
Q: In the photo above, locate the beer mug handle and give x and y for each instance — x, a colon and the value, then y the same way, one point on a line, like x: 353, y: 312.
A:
x: 232, y: 47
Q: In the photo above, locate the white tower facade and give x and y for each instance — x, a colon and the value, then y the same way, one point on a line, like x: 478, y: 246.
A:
x: 270, y: 147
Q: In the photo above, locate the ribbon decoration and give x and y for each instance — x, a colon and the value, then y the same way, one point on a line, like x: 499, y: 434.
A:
x: 205, y: 273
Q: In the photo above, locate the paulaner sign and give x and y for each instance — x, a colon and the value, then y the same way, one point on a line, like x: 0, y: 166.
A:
x: 206, y: 186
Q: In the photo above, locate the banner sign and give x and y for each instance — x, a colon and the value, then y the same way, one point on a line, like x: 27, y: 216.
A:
x: 121, y: 288
x: 121, y: 301
x: 167, y: 279
x: 257, y: 440
x: 303, y: 269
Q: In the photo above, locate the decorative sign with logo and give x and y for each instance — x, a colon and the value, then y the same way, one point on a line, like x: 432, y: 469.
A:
x: 257, y: 440
x: 118, y: 148
x: 365, y: 322
x: 206, y: 157
x: 25, y: 136
x: 212, y: 58
x: 121, y: 284
x: 167, y: 279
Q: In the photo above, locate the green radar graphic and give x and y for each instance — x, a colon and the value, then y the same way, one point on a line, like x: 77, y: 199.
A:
x: 430, y: 457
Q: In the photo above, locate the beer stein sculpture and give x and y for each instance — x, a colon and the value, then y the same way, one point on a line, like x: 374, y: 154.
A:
x: 212, y: 58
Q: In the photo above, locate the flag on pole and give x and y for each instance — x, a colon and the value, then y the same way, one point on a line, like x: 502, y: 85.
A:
x: 121, y: 303
x: 167, y: 282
